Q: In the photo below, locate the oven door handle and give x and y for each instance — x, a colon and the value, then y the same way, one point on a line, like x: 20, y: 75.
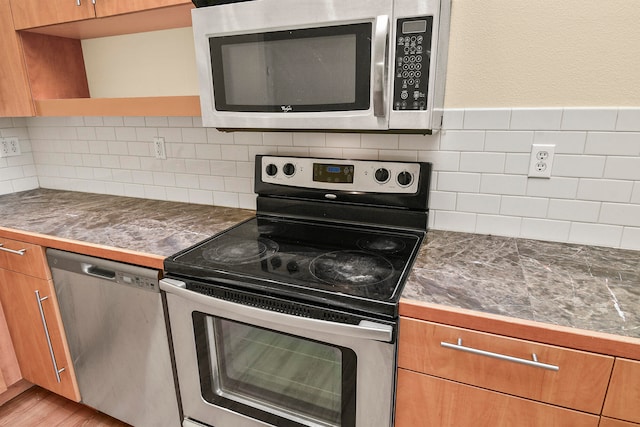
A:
x: 365, y: 330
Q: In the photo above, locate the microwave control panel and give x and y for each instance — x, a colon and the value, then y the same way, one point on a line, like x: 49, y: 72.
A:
x: 411, y: 67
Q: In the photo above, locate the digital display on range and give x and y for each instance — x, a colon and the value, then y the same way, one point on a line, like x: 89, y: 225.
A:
x: 323, y: 172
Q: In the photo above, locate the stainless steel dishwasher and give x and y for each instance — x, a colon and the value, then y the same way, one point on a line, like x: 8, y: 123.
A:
x: 114, y: 320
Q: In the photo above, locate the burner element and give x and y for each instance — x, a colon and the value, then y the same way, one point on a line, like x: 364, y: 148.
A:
x: 236, y: 251
x: 353, y: 268
x: 384, y: 244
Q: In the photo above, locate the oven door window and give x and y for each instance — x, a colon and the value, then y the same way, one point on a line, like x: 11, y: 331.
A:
x: 304, y: 70
x: 281, y: 379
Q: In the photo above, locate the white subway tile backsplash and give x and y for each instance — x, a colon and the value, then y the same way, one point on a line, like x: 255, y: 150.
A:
x: 460, y: 182
x: 487, y: 118
x: 561, y: 188
x: 503, y: 184
x: 628, y: 120
x: 454, y: 140
x: 480, y: 159
x: 573, y: 210
x: 508, y: 142
x: 478, y: 203
x: 595, y: 234
x: 524, y: 206
x: 536, y: 118
x: 620, y: 214
x: 613, y: 143
x: 455, y: 221
x: 622, y: 168
x: 630, y: 238
x: 589, y: 119
x: 482, y: 162
x: 605, y: 190
x: 578, y: 166
x: 565, y: 142
x: 544, y: 229
x: 498, y: 225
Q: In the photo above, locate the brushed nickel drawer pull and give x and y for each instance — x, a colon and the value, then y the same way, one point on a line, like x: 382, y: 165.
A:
x: 78, y: 3
x: 534, y: 362
x: 46, y: 333
x: 11, y: 251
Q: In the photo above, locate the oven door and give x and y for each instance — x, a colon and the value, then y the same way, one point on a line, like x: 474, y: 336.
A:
x: 294, y: 64
x: 243, y: 366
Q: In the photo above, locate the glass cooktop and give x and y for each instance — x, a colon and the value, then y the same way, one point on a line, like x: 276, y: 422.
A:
x: 334, y: 264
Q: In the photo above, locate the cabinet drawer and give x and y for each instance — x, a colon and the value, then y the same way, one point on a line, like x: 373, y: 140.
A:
x: 579, y: 383
x: 610, y: 422
x: 23, y: 258
x: 624, y: 391
x: 426, y: 401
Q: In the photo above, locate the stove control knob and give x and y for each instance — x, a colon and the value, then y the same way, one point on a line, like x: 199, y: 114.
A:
x: 404, y: 179
x: 289, y: 169
x: 382, y: 175
x: 271, y: 169
x: 292, y: 267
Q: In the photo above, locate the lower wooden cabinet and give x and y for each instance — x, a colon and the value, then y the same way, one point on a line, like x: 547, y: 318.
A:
x: 623, y: 396
x: 35, y: 326
x: 610, y: 422
x: 427, y: 401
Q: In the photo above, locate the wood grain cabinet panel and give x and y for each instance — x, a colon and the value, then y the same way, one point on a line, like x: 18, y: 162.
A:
x: 116, y: 7
x: 426, y: 401
x: 29, y: 14
x: 580, y: 383
x: 33, y: 319
x: 32, y: 262
x: 610, y: 422
x: 15, y: 96
x: 38, y: 13
x: 623, y: 397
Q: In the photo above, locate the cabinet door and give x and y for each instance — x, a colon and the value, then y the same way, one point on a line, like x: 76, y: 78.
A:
x: 14, y: 84
x: 116, y: 7
x: 38, y: 13
x: 34, y: 322
x: 479, y: 360
x: 9, y: 369
x: 624, y: 391
x: 610, y: 422
x: 426, y: 401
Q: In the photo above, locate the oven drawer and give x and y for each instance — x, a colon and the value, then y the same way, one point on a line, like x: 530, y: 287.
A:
x: 580, y: 381
x: 23, y: 258
x: 427, y: 401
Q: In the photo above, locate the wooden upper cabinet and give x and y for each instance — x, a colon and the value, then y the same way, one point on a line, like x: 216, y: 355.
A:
x: 623, y: 396
x: 15, y: 96
x: 38, y: 13
x: 117, y: 7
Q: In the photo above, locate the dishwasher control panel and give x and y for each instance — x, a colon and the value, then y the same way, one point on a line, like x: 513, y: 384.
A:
x: 136, y: 281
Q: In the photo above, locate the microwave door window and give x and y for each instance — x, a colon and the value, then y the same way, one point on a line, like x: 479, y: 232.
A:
x: 297, y: 71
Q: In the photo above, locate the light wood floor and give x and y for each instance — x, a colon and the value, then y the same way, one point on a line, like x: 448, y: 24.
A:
x: 37, y: 407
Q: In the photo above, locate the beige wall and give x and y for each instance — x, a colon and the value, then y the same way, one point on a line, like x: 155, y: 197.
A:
x: 541, y: 53
x: 503, y: 53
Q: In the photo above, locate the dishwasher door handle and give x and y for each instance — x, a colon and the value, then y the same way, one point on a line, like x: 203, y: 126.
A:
x: 99, y: 272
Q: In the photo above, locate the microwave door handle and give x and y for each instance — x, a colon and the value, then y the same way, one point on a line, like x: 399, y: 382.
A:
x: 364, y: 330
x: 380, y: 41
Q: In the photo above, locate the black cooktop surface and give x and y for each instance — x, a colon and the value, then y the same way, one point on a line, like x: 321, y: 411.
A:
x: 347, y: 266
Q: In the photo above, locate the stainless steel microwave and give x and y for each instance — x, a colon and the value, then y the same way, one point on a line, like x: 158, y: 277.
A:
x: 370, y: 65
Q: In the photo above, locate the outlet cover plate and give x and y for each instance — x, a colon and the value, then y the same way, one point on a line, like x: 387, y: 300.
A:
x: 541, y: 160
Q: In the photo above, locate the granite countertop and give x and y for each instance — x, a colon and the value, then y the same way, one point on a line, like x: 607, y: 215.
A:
x: 583, y: 287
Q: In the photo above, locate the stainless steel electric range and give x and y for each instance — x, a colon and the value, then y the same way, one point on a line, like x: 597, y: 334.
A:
x: 290, y: 318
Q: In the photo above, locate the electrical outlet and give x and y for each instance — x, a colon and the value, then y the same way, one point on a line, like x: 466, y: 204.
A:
x: 4, y: 148
x: 541, y: 160
x: 158, y: 148
x: 13, y: 144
